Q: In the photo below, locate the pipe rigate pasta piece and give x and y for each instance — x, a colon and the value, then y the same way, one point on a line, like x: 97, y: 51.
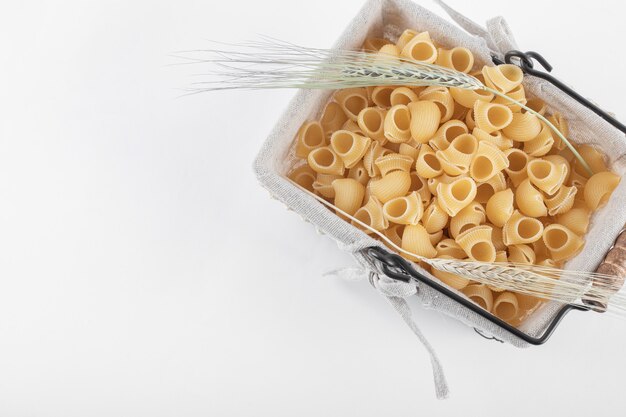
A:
x: 459, y: 58
x: 503, y: 78
x: 375, y: 151
x: 424, y: 119
x: 495, y: 138
x: 537, y: 105
x: 518, y: 94
x: 479, y: 294
x: 352, y: 126
x: 402, y: 95
x: 349, y: 146
x: 371, y: 121
x: 522, y: 254
x: 541, y: 144
x: 485, y: 190
x: 455, y: 196
x: 471, y: 216
x: 374, y: 44
x: 397, y: 124
x: 500, y: 207
x: 455, y: 281
x: 435, y: 237
x: 496, y: 238
x: 349, y: 195
x: 394, y: 184
x: 420, y: 48
x: 415, y: 240
x: 518, y: 162
x: 381, y: 96
x: 576, y: 219
x: 449, y: 247
x: 394, y: 162
x: 529, y: 200
x: 445, y: 178
x: 352, y: 101
x: 304, y: 176
x: 456, y: 159
x: 325, y: 161
x: 387, y: 52
x: 394, y: 233
x: 359, y: 173
x: 434, y: 217
x: 409, y: 150
x: 404, y: 210
x: 491, y: 117
x: 561, y: 242
x: 427, y: 165
x: 420, y: 185
x: 310, y: 136
x: 469, y: 118
x: 593, y: 158
x: 477, y: 243
x: 332, y: 118
x: 599, y: 188
x: 446, y: 133
x: 520, y: 229
x: 546, y: 175
x: 405, y: 37
x: 442, y: 98
x: 372, y: 215
x: 323, y: 185
x: 467, y: 98
x: 487, y: 162
x: 506, y: 306
x: 523, y: 127
x: 562, y: 201
x: 562, y: 126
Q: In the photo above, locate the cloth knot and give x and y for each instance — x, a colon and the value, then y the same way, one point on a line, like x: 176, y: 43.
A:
x: 391, y: 287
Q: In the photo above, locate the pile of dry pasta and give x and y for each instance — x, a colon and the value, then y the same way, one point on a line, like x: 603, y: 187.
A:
x: 455, y: 173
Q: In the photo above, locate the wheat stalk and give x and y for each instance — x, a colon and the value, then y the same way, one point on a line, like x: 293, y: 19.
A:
x: 561, y: 285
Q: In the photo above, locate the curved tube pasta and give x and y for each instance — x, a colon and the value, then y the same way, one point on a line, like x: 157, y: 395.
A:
x: 491, y: 117
x: 388, y: 51
x: 599, y: 188
x: 352, y: 101
x: 393, y: 162
x: 420, y: 48
x: 452, y: 280
x: 352, y: 127
x: 520, y: 229
x: 456, y: 159
x: 446, y: 133
x: 467, y: 98
x: 530, y: 200
x: 503, y: 78
x: 577, y: 220
x: 325, y: 161
x: 372, y: 215
x: 442, y: 98
x: 398, y: 124
x: 561, y: 125
x: 541, y: 144
x: 419, y: 185
x: 451, y: 249
x: 415, y: 240
x: 424, y: 120
x: 408, y: 150
x: 404, y: 210
x: 394, y: 233
x: 562, y: 201
x: 562, y: 242
x: 434, y: 217
x: 593, y: 158
x: 434, y: 182
x: 522, y: 254
x: 471, y: 216
x: 485, y: 190
x: 405, y: 37
x: 371, y: 121
x: 374, y: 44
x: 506, y: 306
x: 402, y: 95
x: 479, y: 294
x: 349, y: 195
x: 427, y: 165
x: 477, y: 243
x: 359, y: 173
x: 518, y: 161
x: 523, y: 127
x: 310, y: 136
x: 392, y: 185
x: 349, y: 146
x: 304, y: 176
x: 457, y: 195
x: 487, y: 162
x: 323, y: 185
x: 459, y: 59
x: 517, y: 94
x: 537, y: 105
x: 495, y: 138
x: 469, y: 118
x: 500, y: 207
x: 369, y: 159
x: 435, y: 237
x: 333, y: 117
x: 560, y: 162
x: 381, y: 96
x: 546, y: 175
x: 459, y: 112
x: 496, y: 238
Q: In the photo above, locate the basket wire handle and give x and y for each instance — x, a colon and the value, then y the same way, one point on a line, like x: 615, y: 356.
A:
x: 524, y: 60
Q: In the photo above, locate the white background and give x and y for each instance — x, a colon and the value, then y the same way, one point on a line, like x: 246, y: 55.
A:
x: 143, y: 271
